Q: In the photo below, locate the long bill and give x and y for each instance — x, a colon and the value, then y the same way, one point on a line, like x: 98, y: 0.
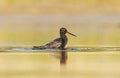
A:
x: 71, y: 34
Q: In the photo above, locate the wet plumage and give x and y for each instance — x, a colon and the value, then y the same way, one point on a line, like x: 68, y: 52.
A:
x: 58, y: 43
x: 54, y: 44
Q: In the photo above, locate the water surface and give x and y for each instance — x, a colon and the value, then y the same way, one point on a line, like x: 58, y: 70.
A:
x: 86, y: 62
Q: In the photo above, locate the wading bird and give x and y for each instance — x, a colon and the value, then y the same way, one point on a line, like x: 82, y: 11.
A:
x: 58, y: 43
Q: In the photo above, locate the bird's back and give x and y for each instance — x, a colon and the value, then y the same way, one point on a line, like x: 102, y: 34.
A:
x: 54, y: 44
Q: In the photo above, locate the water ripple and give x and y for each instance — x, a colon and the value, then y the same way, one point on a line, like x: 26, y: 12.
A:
x: 74, y: 49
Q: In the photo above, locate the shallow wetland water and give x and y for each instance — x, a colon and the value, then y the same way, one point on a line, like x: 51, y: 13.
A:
x: 80, y: 62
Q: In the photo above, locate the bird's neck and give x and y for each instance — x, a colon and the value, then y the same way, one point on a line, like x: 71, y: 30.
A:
x: 63, y: 36
x: 64, y: 40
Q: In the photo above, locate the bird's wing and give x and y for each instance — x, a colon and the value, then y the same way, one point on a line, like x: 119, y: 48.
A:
x: 54, y: 44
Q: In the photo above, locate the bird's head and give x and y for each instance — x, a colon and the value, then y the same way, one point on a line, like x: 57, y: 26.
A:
x: 64, y: 31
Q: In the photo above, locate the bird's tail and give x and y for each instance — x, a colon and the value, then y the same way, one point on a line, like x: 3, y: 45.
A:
x: 38, y: 47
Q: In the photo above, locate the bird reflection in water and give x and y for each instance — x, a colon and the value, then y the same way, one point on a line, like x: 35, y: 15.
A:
x: 58, y: 43
x: 63, y: 58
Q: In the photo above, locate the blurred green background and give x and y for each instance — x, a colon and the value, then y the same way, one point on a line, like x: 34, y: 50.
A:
x: 35, y: 22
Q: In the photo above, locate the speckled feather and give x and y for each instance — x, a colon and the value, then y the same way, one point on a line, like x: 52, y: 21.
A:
x: 54, y: 44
